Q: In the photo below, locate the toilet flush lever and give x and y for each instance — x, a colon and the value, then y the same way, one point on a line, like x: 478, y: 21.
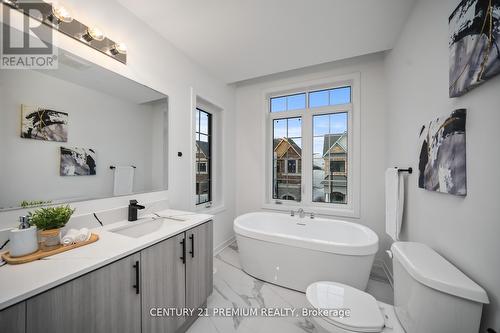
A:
x: 389, y: 253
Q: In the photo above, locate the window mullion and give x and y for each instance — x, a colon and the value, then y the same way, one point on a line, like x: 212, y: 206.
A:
x: 307, y: 142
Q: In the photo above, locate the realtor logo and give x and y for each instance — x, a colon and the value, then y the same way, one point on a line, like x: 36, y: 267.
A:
x: 27, y: 45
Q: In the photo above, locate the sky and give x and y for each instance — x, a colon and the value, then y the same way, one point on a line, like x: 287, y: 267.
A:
x: 320, y: 98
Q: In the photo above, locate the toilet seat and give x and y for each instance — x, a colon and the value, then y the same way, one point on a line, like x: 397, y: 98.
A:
x: 365, y: 314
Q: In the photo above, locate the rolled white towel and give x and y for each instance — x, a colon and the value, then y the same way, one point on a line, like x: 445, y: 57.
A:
x: 83, y: 235
x: 70, y: 237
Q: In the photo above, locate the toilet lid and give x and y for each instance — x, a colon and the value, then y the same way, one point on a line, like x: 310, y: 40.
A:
x: 364, y: 315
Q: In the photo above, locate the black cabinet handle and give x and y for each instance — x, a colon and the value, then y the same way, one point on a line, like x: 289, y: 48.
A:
x: 183, y: 258
x: 136, y: 285
x: 192, y: 245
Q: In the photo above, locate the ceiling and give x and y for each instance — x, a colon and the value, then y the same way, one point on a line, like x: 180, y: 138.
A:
x: 238, y: 40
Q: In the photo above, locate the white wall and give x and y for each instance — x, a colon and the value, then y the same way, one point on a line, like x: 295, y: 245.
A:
x: 250, y: 136
x: 464, y: 230
x: 154, y: 62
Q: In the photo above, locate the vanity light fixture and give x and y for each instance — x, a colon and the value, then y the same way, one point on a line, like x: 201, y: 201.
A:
x: 93, y: 33
x: 12, y: 3
x: 118, y: 48
x: 60, y: 14
x: 59, y: 18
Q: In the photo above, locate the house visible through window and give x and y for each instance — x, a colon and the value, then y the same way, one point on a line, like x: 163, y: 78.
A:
x: 203, y: 157
x: 329, y: 158
x: 327, y: 111
x: 287, y: 155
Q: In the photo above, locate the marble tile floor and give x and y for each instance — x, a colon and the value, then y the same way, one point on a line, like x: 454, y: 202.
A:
x: 234, y: 289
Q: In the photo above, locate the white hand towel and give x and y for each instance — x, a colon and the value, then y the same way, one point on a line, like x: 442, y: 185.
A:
x: 124, y: 180
x: 394, y: 202
x: 83, y: 235
x: 70, y: 237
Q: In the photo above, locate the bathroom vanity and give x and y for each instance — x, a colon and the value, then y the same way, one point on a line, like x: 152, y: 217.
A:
x: 67, y: 132
x: 114, y: 284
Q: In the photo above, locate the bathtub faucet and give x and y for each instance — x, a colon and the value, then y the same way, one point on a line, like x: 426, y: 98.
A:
x: 302, y: 213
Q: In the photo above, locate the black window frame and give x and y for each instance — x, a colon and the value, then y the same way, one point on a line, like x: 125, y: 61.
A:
x: 208, y: 162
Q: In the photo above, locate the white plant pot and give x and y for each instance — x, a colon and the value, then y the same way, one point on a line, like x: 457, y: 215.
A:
x: 23, y: 242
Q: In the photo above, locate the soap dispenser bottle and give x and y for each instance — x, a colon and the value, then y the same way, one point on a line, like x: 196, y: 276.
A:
x: 23, y: 240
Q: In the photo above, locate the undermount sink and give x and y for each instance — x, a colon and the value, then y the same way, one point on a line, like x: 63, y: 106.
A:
x: 138, y: 229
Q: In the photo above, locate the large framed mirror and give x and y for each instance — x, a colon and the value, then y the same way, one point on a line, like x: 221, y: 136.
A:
x: 77, y: 133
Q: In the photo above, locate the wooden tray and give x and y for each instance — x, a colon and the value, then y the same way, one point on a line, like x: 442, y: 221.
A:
x: 42, y: 254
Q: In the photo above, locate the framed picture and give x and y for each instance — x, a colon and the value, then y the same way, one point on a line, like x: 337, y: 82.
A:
x: 442, y: 164
x: 43, y: 124
x: 78, y: 162
x: 474, y: 33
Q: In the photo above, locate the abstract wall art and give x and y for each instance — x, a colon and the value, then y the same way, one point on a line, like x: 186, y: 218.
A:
x: 474, y: 44
x: 44, y: 124
x: 442, y: 164
x: 78, y: 162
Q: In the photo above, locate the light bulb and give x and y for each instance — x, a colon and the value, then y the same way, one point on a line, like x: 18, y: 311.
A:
x: 118, y: 48
x: 61, y: 14
x: 93, y: 33
x: 12, y: 3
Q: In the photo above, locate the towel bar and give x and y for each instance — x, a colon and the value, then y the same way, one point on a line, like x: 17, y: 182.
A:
x: 409, y: 170
x: 112, y: 167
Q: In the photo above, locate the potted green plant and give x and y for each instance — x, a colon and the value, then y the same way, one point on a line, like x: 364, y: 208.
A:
x: 49, y: 222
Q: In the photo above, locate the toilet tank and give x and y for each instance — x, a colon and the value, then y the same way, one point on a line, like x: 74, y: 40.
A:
x: 431, y: 295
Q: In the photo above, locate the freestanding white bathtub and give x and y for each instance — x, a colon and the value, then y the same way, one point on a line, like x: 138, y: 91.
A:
x: 294, y: 252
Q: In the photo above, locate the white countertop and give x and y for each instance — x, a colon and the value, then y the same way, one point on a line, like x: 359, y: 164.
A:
x: 20, y: 282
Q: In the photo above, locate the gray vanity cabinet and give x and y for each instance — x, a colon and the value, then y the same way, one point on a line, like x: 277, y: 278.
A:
x: 12, y: 319
x: 199, y: 265
x: 105, y: 300
x: 173, y: 274
x: 163, y: 285
x: 176, y: 274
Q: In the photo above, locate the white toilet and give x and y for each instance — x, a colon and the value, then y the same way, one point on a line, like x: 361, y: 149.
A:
x: 430, y: 296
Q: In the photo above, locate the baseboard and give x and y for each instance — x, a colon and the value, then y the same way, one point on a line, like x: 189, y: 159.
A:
x: 219, y: 248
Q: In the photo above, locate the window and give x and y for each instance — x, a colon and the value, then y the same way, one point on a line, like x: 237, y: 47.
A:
x: 292, y: 166
x: 334, y: 96
x: 203, y: 157
x: 314, y: 149
x: 287, y: 155
x: 288, y: 103
x: 329, y: 157
x: 337, y: 166
x: 202, y: 167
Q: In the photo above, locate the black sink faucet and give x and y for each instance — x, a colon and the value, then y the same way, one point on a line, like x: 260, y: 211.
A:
x: 133, y: 207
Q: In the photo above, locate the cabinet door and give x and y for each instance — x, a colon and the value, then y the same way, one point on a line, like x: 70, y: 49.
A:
x: 163, y: 285
x: 199, y: 264
x: 105, y: 300
x: 13, y: 319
